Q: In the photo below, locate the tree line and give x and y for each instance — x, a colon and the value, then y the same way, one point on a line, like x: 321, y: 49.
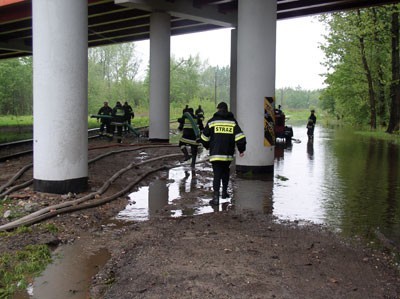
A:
x: 114, y: 75
x: 297, y: 98
x: 362, y: 59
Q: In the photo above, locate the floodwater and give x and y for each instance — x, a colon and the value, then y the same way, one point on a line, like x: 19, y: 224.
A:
x: 346, y: 181
x: 342, y: 180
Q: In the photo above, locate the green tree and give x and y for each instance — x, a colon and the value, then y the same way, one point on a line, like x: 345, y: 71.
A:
x: 185, y: 74
x: 297, y: 98
x: 357, y: 52
x: 214, y: 83
x: 394, y: 119
x: 113, y: 72
x: 16, y: 92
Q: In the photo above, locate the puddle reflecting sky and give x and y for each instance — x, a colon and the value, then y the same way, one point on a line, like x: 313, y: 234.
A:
x: 165, y: 197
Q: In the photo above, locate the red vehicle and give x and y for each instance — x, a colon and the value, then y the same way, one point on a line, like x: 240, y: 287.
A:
x: 282, y: 132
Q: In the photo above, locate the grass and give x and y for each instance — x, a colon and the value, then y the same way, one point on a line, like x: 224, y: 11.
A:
x: 18, y: 267
x: 27, y: 121
x: 142, y: 117
x: 381, y: 135
x: 16, y: 120
x: 294, y: 116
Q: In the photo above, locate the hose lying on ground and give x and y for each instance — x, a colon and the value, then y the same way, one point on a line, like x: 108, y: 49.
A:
x: 55, y: 209
x: 29, y: 182
x: 78, y: 204
x: 15, y: 177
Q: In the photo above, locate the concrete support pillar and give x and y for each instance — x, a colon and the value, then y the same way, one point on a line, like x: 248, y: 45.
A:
x: 256, y: 83
x: 160, y: 33
x: 233, y: 77
x: 60, y: 71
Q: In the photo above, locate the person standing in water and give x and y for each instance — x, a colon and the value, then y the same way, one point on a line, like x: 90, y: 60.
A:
x: 220, y: 135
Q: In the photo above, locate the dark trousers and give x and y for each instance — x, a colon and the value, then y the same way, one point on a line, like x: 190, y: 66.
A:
x: 105, y: 124
x: 119, y: 128
x: 193, y: 151
x: 128, y: 122
x: 221, y: 173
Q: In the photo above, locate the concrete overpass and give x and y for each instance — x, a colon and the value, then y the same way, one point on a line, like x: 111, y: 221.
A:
x: 58, y: 33
x: 120, y: 21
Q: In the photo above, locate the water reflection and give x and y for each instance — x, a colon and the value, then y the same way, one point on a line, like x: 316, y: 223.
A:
x: 348, y: 182
x: 310, y: 149
x: 254, y: 195
x: 188, y: 183
x: 341, y: 179
x: 158, y: 197
x: 372, y: 189
x: 71, y: 273
x: 179, y: 195
x: 295, y: 191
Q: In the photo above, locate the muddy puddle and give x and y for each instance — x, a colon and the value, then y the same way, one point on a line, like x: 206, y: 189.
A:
x: 169, y: 197
x: 70, y: 274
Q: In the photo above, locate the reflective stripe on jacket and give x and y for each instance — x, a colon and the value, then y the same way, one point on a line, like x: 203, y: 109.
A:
x: 221, y: 134
x: 188, y: 133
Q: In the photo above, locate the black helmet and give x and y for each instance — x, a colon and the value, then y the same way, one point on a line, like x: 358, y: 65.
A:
x: 223, y: 106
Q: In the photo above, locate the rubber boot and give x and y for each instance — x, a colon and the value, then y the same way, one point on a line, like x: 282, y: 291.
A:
x: 194, y: 155
x: 215, y: 200
x: 185, y: 152
x: 225, y: 193
x: 193, y: 161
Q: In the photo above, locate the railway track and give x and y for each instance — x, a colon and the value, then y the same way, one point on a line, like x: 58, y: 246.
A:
x: 15, y: 149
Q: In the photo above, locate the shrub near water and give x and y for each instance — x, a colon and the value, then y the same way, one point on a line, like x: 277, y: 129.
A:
x: 16, y: 268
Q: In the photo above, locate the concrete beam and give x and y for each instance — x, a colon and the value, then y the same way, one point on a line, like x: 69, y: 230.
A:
x: 16, y: 45
x: 185, y: 9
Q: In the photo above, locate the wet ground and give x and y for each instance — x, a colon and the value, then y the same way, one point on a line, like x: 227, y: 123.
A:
x: 180, y: 191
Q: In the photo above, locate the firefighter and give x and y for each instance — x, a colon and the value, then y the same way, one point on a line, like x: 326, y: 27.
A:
x: 129, y: 114
x: 200, y: 113
x: 313, y: 117
x: 189, y: 136
x: 105, y: 122
x: 118, y: 120
x: 220, y: 135
x: 312, y: 120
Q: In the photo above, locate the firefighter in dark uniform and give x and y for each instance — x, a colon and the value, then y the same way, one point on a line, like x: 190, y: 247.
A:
x: 189, y: 137
x: 312, y: 120
x: 129, y: 114
x: 200, y: 113
x: 220, y: 135
x: 118, y: 120
x: 105, y: 122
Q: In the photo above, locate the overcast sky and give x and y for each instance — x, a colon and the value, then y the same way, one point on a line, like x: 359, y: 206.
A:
x: 298, y: 56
